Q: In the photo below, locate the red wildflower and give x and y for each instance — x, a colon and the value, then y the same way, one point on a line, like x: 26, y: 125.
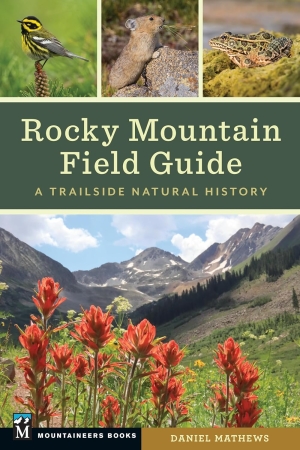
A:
x: 228, y: 356
x: 248, y: 413
x: 45, y: 411
x: 158, y: 383
x: 35, y: 341
x: 94, y: 328
x: 111, y: 411
x: 244, y: 377
x: 138, y: 340
x: 62, y: 356
x: 163, y: 393
x: 218, y: 402
x: 175, y: 389
x: 46, y: 299
x: 168, y: 354
x: 179, y: 412
x: 80, y: 367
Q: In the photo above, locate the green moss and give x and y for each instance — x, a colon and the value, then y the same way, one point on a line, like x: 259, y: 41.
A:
x: 222, y: 78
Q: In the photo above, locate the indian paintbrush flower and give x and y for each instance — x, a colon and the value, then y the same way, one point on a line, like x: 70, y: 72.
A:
x: 47, y: 298
x: 138, y: 340
x: 94, y: 329
x: 111, y: 411
x: 168, y: 354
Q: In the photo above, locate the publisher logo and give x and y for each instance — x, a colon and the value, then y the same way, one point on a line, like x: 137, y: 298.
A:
x: 22, y: 426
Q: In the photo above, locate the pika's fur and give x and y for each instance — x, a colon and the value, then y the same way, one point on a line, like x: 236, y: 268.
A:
x: 140, y: 49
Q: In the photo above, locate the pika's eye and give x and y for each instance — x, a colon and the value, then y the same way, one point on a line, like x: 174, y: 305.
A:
x: 150, y: 18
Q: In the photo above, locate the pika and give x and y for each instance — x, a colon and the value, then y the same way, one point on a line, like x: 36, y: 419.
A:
x: 144, y: 40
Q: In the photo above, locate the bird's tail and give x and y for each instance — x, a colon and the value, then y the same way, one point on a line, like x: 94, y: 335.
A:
x: 72, y: 55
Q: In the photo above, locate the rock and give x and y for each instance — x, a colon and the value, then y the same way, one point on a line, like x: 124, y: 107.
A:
x: 8, y: 368
x: 222, y: 78
x: 173, y: 74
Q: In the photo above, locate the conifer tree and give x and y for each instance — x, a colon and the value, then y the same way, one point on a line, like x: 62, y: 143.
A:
x: 295, y: 300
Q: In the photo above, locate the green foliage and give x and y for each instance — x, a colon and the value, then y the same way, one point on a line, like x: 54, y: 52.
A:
x: 268, y: 341
x: 278, y: 396
x: 3, y: 286
x: 175, y: 10
x: 225, y: 303
x: 73, y: 23
x: 120, y: 306
x: 272, y: 264
x: 56, y: 90
x: 260, y: 301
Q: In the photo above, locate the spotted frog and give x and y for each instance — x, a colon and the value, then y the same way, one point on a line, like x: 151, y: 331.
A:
x: 252, y: 50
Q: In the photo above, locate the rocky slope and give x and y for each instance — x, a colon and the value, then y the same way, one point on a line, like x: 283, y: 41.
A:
x: 142, y: 279
x: 156, y: 272
x: 244, y: 243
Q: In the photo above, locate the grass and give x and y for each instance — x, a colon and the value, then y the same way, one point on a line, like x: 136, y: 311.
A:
x: 278, y: 397
x: 273, y: 343
x: 73, y: 24
x: 259, y: 301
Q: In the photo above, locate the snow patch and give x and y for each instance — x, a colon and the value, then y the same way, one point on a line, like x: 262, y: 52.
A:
x: 173, y: 262
x: 130, y: 265
x: 216, y: 260
x: 223, y: 264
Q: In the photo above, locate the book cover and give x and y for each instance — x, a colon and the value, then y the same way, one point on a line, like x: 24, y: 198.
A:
x: 149, y: 226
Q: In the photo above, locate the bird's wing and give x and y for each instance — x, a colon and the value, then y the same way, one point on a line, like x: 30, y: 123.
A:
x: 52, y: 44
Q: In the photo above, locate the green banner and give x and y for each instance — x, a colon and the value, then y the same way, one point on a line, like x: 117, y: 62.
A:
x: 162, y: 156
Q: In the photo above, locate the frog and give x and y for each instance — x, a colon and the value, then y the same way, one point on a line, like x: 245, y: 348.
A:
x: 252, y: 50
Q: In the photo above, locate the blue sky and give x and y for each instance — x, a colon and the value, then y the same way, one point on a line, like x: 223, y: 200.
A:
x: 87, y: 241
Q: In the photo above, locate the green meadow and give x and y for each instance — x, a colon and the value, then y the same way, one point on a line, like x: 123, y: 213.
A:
x: 74, y: 23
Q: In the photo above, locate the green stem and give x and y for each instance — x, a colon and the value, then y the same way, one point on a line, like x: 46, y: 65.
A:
x: 128, y: 391
x: 88, y: 407
x: 63, y: 400
x: 76, y: 403
x: 45, y: 323
x: 227, y: 400
x: 165, y: 401
x: 138, y: 390
x: 95, y: 388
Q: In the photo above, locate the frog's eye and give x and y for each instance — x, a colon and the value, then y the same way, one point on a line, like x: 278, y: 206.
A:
x: 151, y: 18
x: 224, y: 36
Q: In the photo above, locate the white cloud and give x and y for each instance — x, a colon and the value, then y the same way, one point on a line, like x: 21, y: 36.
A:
x: 144, y: 230
x: 138, y: 251
x: 221, y: 228
x: 37, y: 230
x: 189, y: 247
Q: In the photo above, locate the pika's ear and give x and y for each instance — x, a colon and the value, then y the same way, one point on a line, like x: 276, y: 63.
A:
x: 131, y: 24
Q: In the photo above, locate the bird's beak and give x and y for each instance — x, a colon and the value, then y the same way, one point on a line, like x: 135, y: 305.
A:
x: 21, y: 21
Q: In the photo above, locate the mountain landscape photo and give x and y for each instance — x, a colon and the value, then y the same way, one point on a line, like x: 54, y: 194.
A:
x: 205, y: 305
x: 144, y: 278
x: 186, y: 300
x: 154, y: 275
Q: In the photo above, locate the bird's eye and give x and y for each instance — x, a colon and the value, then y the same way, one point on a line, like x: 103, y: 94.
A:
x: 151, y: 18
